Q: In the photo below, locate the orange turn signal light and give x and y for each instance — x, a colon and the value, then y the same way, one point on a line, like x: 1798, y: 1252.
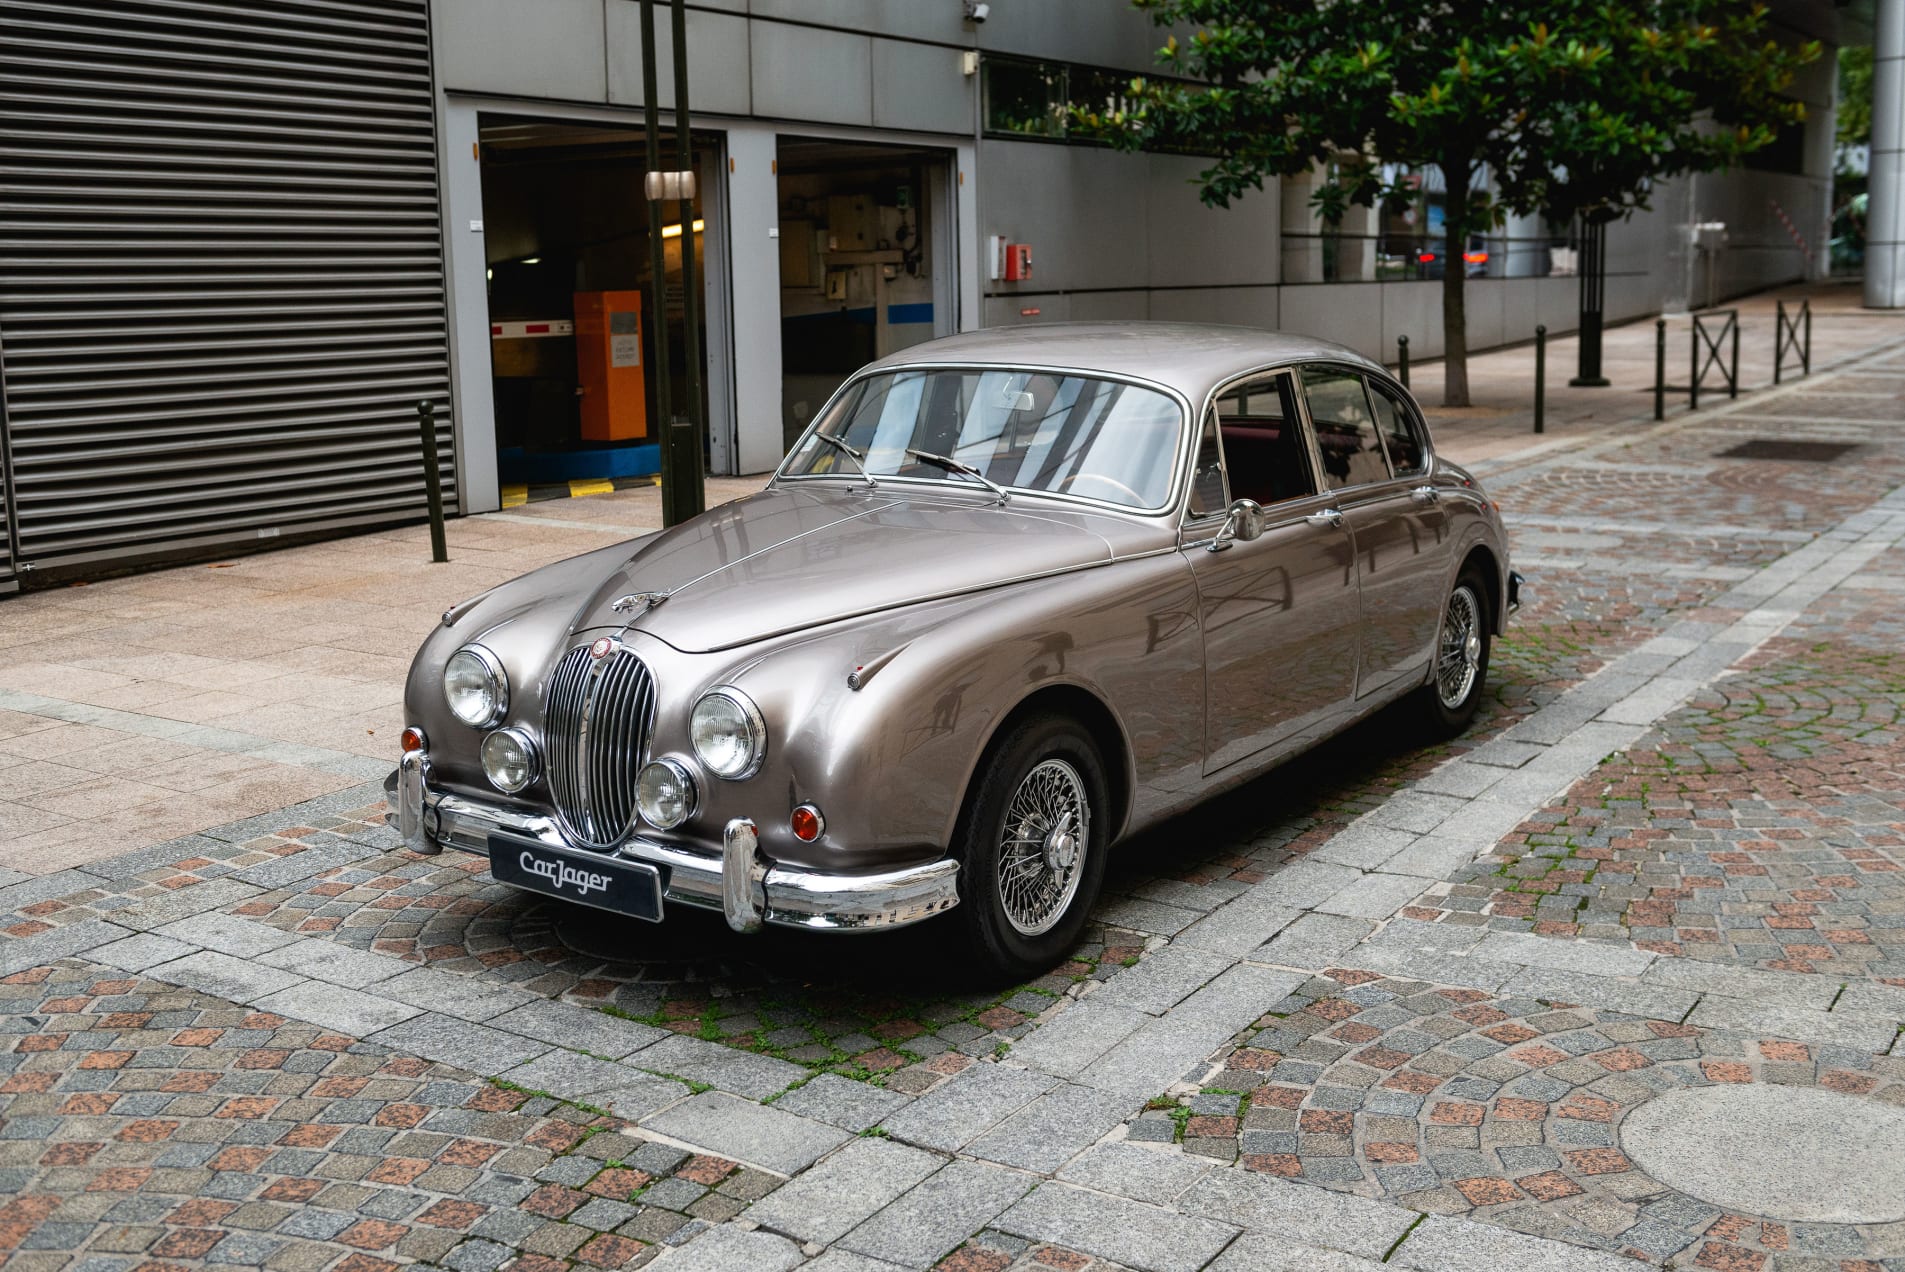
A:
x: 412, y: 739
x: 807, y: 823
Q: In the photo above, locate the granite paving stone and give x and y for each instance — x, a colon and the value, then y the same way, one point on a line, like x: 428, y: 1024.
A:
x: 936, y: 1215
x: 1132, y: 1233
x: 760, y: 1135
x: 844, y: 1190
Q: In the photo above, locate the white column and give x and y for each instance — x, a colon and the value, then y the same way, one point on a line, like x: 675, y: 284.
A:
x: 1885, y: 222
x: 754, y: 213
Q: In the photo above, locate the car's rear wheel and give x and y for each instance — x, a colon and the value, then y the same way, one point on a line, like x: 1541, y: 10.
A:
x: 1462, y: 645
x: 1031, y: 844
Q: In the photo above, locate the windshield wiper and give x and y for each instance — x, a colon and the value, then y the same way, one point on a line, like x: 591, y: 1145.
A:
x: 964, y: 470
x: 850, y: 453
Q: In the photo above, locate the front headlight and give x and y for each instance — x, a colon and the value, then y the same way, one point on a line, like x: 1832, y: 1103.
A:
x: 509, y: 760
x: 728, y: 733
x: 665, y: 794
x: 475, y: 686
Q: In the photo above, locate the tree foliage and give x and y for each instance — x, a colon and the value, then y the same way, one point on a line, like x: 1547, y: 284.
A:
x: 1573, y: 107
x: 1854, y: 120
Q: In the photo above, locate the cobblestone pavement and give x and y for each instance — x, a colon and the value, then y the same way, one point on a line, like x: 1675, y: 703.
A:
x: 1461, y: 1102
x: 1401, y: 1003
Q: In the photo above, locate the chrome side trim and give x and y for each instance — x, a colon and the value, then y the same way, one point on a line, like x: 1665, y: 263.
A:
x: 742, y: 875
x: 787, y: 896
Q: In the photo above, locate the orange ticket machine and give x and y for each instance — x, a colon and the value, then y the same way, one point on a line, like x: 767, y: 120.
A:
x: 608, y: 358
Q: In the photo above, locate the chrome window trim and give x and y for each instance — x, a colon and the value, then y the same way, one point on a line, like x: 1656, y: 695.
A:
x: 1177, y: 492
x: 1316, y: 450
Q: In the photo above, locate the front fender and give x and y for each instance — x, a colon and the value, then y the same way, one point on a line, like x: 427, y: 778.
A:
x: 889, y: 764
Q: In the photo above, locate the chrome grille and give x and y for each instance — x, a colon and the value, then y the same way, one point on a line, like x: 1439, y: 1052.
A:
x: 595, y: 728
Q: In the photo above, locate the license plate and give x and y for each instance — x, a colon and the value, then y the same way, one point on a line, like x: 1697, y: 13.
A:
x: 606, y: 883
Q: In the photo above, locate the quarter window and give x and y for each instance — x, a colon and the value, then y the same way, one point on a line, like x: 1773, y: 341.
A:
x: 1400, y: 436
x: 1345, y: 430
x: 1207, y: 479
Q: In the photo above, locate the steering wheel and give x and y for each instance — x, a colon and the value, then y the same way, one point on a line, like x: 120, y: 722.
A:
x: 1137, y: 500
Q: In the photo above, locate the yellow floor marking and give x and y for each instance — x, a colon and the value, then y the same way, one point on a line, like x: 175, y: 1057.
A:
x: 591, y: 486
x: 515, y: 496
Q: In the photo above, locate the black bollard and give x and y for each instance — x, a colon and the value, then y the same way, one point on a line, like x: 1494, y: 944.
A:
x: 1402, y: 360
x: 1541, y: 378
x: 432, y: 481
x: 1660, y: 368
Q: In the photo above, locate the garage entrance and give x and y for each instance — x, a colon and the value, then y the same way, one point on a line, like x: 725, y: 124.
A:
x: 865, y: 237
x: 566, y: 240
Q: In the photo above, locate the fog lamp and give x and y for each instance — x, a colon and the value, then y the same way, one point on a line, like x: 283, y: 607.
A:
x: 509, y: 760
x: 665, y: 794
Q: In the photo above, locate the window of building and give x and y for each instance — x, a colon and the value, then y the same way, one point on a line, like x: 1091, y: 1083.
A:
x: 1030, y: 97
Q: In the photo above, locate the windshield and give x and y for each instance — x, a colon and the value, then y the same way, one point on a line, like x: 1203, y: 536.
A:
x: 1027, y: 430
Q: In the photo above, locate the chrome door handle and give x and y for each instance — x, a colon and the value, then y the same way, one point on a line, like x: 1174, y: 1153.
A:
x: 1327, y: 517
x: 1426, y: 494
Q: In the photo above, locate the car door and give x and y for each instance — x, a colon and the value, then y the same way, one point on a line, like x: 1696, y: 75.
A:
x: 1278, y: 613
x: 1395, y: 520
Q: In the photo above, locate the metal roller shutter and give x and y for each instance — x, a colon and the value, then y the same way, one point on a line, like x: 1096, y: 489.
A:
x: 221, y: 274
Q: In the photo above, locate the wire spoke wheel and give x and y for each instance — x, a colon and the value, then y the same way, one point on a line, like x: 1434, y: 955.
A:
x: 1042, y: 847
x: 1458, y: 658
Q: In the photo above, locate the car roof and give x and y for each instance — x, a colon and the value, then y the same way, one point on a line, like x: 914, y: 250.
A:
x: 1190, y: 357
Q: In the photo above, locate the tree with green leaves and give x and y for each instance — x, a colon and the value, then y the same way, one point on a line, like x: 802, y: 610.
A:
x: 1572, y: 108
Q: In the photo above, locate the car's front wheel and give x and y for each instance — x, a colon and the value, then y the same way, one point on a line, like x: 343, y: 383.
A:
x: 1454, y: 691
x: 1032, y: 847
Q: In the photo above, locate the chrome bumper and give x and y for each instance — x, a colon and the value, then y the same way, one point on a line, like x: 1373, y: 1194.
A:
x: 737, y: 880
x: 1514, y: 591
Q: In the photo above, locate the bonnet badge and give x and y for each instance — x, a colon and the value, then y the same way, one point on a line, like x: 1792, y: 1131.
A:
x: 600, y: 649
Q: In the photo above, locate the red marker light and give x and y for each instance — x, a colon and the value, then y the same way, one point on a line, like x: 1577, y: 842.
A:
x: 807, y: 823
x: 1426, y: 257
x: 412, y: 739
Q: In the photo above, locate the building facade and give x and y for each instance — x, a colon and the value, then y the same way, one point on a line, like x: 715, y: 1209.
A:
x: 240, y: 242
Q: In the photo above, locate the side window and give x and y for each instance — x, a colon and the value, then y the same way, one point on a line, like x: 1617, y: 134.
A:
x: 1264, y: 456
x: 1400, y: 436
x: 1345, y: 431
x: 1207, y: 478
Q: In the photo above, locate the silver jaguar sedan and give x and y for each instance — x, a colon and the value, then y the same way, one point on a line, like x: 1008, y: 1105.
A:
x: 1014, y: 596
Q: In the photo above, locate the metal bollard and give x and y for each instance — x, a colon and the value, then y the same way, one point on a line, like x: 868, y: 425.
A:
x: 1402, y: 360
x: 1779, y: 337
x: 1733, y: 380
x: 1660, y: 368
x: 432, y: 480
x: 1541, y: 377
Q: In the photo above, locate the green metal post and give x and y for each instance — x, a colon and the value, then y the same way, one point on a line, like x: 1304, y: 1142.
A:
x: 684, y: 494
x: 657, y: 318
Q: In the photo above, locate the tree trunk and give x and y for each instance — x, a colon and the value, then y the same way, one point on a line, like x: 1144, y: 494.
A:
x: 1455, y: 172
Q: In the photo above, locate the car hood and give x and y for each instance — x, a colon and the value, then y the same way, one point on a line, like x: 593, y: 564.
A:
x: 786, y: 560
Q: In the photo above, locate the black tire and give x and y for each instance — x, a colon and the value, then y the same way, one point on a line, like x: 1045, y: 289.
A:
x: 1043, y: 762
x: 1451, y: 698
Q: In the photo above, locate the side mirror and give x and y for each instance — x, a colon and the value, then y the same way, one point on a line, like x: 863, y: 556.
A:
x: 1242, y: 523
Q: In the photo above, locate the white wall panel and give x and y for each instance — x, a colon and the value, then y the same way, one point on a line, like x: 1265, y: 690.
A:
x: 717, y: 59
x: 803, y: 73
x: 550, y: 49
x: 921, y: 88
